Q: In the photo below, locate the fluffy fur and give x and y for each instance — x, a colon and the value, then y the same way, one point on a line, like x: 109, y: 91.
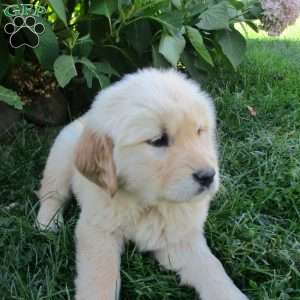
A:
x: 130, y: 189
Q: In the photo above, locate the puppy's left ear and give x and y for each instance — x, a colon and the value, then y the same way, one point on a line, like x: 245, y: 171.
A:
x: 94, y: 160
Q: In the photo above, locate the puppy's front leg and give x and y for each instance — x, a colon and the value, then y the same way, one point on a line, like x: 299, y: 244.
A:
x: 199, y: 268
x: 98, y: 263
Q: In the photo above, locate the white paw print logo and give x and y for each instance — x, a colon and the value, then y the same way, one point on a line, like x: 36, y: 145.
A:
x: 21, y: 27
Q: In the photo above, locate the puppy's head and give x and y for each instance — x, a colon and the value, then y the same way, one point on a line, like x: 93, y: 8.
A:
x: 160, y: 133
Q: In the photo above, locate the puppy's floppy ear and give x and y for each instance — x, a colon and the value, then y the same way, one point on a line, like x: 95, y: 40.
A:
x: 94, y: 160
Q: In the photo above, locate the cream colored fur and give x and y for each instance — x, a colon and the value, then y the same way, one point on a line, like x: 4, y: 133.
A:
x: 130, y: 190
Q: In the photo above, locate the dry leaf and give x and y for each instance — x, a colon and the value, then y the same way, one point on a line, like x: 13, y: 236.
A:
x: 252, y: 111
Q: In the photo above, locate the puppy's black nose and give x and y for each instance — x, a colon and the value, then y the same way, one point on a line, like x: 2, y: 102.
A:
x: 204, y: 177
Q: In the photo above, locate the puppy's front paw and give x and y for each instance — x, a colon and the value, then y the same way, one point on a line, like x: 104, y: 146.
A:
x: 232, y: 293
x: 237, y: 296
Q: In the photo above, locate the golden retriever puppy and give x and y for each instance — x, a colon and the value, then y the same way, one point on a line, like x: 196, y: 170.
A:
x: 143, y: 165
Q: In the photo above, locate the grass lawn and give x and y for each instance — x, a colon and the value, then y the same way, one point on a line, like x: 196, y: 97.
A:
x: 254, y: 224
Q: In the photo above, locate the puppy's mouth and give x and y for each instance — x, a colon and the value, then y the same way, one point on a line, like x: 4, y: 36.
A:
x: 206, y: 189
x: 200, y: 190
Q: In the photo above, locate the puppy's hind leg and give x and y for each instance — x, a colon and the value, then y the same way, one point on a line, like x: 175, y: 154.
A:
x: 56, y: 182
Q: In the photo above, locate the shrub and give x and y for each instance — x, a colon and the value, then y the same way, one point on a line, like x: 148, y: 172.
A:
x: 99, y: 40
x: 278, y: 14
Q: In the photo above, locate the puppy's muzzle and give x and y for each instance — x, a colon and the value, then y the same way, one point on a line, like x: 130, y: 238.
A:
x: 204, y: 177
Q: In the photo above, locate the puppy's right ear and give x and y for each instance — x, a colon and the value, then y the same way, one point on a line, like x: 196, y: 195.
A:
x: 94, y: 160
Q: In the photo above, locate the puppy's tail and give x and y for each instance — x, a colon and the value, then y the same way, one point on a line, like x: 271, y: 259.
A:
x: 56, y: 182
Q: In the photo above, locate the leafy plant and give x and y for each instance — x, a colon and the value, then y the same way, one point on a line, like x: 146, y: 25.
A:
x: 101, y: 39
x: 10, y: 97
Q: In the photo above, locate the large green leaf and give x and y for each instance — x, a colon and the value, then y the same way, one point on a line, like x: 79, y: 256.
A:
x: 151, y: 8
x: 189, y: 62
x: 233, y: 13
x: 106, y: 68
x: 171, y: 47
x: 59, y: 8
x: 197, y: 41
x: 64, y: 69
x: 48, y: 49
x: 10, y: 97
x: 233, y: 45
x: 103, y: 79
x: 172, y: 21
x: 158, y: 61
x: 103, y: 7
x: 195, y: 8
x: 83, y: 46
x: 255, y: 10
x: 95, y: 70
x: 88, y: 75
x: 238, y: 4
x: 214, y: 18
x: 177, y: 3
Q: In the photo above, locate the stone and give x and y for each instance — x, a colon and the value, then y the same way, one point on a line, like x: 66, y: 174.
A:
x: 51, y: 110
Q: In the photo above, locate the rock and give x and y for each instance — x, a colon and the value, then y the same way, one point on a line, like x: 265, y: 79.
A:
x: 51, y: 110
x: 79, y: 97
x: 8, y: 120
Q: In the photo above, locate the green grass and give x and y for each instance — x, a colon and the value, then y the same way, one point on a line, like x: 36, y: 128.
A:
x: 254, y: 224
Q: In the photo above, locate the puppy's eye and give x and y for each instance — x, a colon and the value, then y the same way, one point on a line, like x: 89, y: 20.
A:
x: 161, y: 141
